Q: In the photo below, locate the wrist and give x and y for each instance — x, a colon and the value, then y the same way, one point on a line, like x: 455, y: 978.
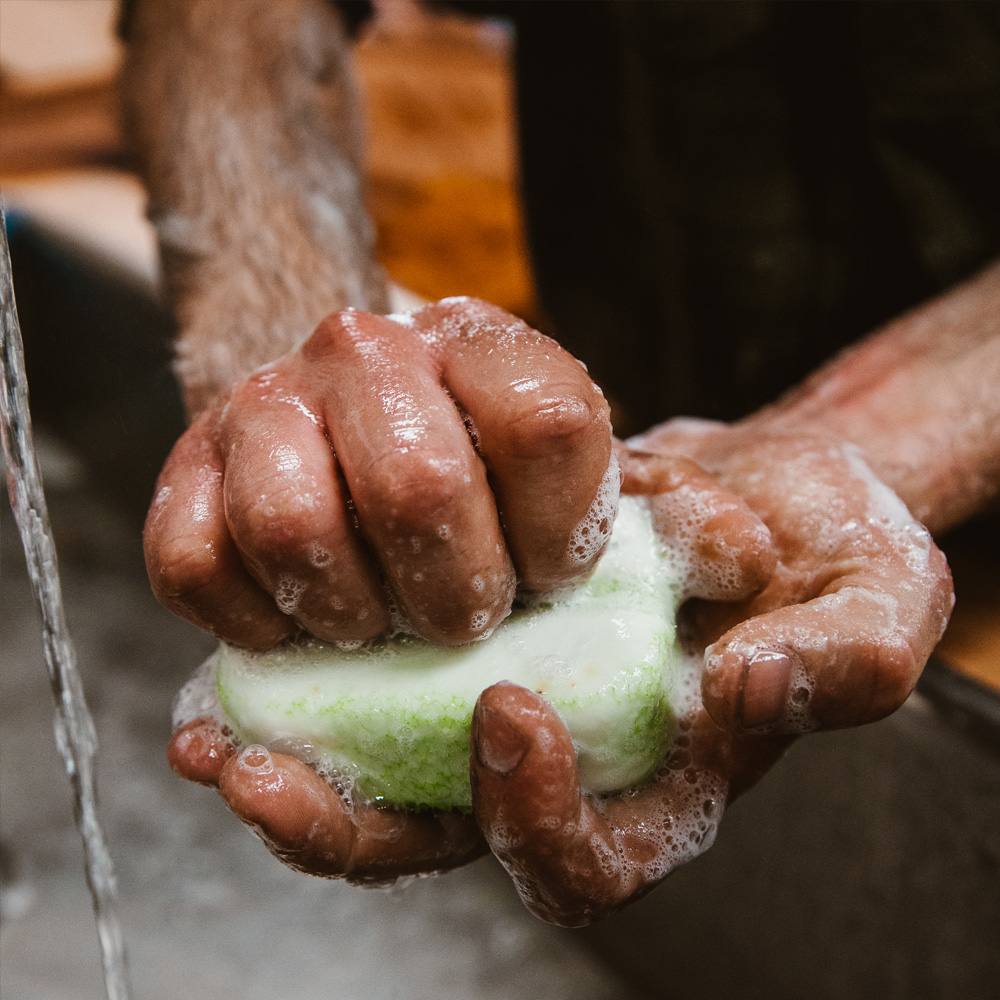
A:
x: 919, y: 398
x: 236, y: 315
x: 260, y: 219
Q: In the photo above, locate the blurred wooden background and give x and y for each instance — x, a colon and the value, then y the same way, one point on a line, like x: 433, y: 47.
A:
x: 441, y: 148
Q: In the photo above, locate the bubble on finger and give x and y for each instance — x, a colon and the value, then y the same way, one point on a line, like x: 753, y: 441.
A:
x: 402, y: 318
x: 798, y: 715
x: 680, y: 825
x: 319, y: 557
x: 502, y: 834
x: 256, y: 759
x: 349, y: 645
x: 683, y: 518
x: 593, y: 532
x: 288, y: 593
x: 399, y: 624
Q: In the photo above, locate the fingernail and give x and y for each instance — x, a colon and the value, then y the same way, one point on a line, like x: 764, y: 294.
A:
x: 499, y: 746
x: 766, y: 678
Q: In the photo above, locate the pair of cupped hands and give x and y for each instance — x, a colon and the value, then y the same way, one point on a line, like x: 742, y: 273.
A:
x: 435, y: 464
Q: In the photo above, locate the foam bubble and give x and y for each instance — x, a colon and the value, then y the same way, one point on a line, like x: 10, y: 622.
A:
x: 199, y: 696
x: 402, y: 318
x: 256, y: 758
x: 319, y: 557
x: 798, y: 717
x: 288, y: 593
x: 591, y: 534
x: 349, y: 645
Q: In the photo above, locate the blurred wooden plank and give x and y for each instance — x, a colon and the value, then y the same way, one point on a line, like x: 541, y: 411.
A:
x: 442, y: 156
x: 72, y: 128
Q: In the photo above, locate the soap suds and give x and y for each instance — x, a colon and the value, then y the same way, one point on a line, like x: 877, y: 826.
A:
x: 592, y: 533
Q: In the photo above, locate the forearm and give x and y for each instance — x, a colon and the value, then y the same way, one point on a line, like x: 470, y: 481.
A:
x: 245, y: 119
x: 922, y: 398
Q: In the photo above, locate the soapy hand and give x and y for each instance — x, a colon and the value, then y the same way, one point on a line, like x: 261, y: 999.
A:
x: 304, y: 820
x: 309, y: 825
x: 816, y: 600
x: 859, y: 598
x: 838, y: 636
x: 426, y: 463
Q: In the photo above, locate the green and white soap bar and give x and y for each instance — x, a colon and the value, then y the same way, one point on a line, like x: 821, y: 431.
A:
x: 392, y: 718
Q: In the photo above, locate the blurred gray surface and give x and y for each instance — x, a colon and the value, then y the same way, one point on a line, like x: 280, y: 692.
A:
x: 865, y: 865
x: 205, y: 908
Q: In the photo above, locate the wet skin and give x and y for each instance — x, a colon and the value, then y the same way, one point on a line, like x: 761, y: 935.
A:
x: 349, y: 463
x: 814, y: 596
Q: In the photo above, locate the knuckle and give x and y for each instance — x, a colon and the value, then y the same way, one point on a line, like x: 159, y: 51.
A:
x: 278, y: 525
x: 337, y: 333
x: 896, y: 669
x: 182, y: 567
x: 412, y: 489
x: 556, y: 423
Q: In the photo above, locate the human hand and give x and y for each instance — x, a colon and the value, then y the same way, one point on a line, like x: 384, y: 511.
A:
x: 377, y: 462
x: 575, y: 858
x: 858, y: 597
x: 431, y: 462
x: 305, y: 822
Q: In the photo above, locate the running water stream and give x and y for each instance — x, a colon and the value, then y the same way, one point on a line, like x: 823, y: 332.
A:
x: 74, y: 727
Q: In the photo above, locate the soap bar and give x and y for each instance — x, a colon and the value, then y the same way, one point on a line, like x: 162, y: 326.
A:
x: 390, y: 720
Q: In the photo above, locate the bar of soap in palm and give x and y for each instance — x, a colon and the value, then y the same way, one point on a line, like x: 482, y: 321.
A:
x: 392, y: 719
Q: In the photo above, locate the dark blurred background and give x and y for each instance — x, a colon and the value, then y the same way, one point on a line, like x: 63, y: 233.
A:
x: 867, y: 864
